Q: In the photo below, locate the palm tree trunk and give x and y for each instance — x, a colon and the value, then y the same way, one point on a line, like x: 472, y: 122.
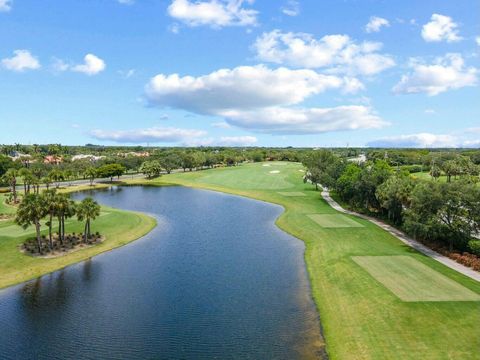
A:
x: 63, y: 228
x: 60, y: 229
x: 50, y: 231
x: 39, y: 244
x: 88, y: 222
x: 85, y: 232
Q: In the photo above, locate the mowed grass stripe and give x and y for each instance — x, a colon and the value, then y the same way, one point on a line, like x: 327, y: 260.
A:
x: 410, y: 280
x: 292, y: 193
x: 334, y: 221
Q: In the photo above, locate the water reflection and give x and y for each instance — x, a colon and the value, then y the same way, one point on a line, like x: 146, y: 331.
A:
x: 216, y: 279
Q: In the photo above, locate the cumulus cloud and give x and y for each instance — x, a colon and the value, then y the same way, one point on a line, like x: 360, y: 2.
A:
x: 337, y: 53
x: 5, y: 5
x: 244, y: 87
x: 283, y: 120
x: 238, y: 140
x: 440, y: 28
x: 375, y: 24
x: 20, y: 61
x: 477, y: 40
x: 92, y: 65
x: 291, y: 8
x: 262, y: 99
x: 214, y: 13
x: 421, y: 140
x: 446, y: 73
x: 154, y: 135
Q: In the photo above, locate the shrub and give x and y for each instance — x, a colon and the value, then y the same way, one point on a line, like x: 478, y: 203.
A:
x: 474, y: 246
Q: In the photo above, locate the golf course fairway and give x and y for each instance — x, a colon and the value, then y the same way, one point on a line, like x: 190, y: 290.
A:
x: 365, y: 306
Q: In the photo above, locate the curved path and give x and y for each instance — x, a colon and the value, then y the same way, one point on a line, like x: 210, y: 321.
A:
x: 405, y: 239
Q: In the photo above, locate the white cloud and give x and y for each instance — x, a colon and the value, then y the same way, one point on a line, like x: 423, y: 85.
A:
x: 238, y: 140
x: 21, y: 60
x: 440, y: 28
x: 92, y: 65
x: 421, y: 140
x: 244, y: 87
x: 375, y: 24
x: 154, y: 135
x: 281, y: 120
x: 214, y: 13
x: 126, y: 2
x: 5, y: 5
x: 338, y: 53
x: 477, y: 40
x: 221, y: 125
x: 261, y: 99
x: 291, y: 8
x: 446, y: 73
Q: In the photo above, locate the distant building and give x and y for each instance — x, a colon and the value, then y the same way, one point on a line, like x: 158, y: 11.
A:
x: 25, y: 158
x: 90, y: 157
x: 359, y: 159
x: 135, y: 154
x: 52, y: 159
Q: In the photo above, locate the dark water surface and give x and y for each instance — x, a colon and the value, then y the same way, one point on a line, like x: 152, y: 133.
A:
x: 215, y: 279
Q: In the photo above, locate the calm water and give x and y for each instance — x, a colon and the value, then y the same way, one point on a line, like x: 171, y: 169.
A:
x: 215, y: 279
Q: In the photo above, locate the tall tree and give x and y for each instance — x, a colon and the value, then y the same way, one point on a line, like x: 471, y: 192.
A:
x: 30, y: 212
x: 87, y: 210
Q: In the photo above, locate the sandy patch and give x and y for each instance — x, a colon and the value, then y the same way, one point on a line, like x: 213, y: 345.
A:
x: 274, y: 172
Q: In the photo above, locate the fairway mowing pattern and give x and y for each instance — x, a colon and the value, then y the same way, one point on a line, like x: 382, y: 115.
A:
x: 292, y: 193
x: 334, y: 221
x: 410, y: 280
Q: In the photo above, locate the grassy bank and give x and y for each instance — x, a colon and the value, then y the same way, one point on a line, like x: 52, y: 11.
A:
x: 365, y: 305
x: 119, y: 228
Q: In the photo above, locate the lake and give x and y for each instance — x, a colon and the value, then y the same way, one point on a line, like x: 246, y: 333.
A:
x: 215, y: 279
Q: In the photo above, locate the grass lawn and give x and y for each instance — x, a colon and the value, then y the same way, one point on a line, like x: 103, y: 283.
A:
x: 4, y: 207
x: 362, y: 317
x: 119, y: 228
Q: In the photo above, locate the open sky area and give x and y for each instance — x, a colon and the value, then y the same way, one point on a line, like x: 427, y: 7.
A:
x: 235, y: 73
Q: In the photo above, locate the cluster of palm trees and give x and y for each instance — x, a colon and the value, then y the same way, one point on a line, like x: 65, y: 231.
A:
x: 49, y: 204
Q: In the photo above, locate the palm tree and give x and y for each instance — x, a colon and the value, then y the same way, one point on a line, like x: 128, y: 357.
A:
x: 30, y: 211
x: 47, y: 180
x: 10, y: 177
x: 87, y: 210
x: 27, y: 176
x: 49, y: 198
x: 57, y: 176
x: 91, y: 174
x: 65, y: 208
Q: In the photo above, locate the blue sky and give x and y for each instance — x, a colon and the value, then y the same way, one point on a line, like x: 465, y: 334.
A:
x: 232, y: 72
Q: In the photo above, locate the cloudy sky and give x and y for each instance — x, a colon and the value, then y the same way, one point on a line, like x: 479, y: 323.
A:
x: 233, y: 72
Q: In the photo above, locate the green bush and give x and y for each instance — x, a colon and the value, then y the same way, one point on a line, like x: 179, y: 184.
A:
x: 474, y: 246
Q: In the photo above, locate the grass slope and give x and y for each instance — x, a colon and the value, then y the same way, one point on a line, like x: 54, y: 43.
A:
x: 361, y: 318
x: 118, y: 226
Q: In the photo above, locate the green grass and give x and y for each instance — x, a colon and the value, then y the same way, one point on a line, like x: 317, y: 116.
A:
x: 361, y: 319
x: 4, y: 207
x: 334, y: 221
x: 119, y: 228
x: 410, y: 280
x: 292, y: 193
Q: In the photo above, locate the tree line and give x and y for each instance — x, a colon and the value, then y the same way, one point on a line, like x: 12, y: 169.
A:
x: 444, y: 214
